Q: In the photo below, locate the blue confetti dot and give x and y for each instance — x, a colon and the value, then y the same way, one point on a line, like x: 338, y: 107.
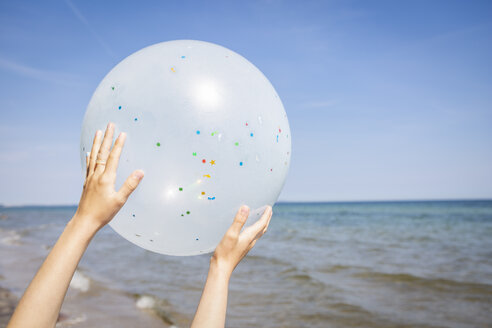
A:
x: 240, y: 163
x: 183, y: 56
x: 196, y: 239
x: 251, y: 134
x: 277, y: 137
x: 197, y: 131
x: 119, y: 107
x: 136, y: 119
x: 133, y: 215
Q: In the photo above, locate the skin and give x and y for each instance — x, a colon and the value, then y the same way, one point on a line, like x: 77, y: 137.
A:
x: 40, y: 305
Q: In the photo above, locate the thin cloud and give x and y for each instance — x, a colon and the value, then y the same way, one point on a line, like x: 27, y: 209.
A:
x: 84, y: 21
x: 36, y: 73
x: 319, y: 104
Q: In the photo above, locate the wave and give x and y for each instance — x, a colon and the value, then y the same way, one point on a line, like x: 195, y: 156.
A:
x: 300, y: 277
x: 437, y: 284
x: 156, y: 306
x: 80, y: 282
x: 11, y: 238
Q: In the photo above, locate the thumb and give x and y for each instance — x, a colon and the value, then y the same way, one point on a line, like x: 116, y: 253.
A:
x: 131, y: 183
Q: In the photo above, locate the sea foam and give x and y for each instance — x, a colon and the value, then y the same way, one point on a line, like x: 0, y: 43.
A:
x: 80, y: 282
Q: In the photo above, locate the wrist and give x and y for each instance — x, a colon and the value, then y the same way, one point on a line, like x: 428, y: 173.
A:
x: 219, y: 270
x: 84, y: 226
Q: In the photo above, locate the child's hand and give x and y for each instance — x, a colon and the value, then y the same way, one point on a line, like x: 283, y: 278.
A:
x: 100, y: 201
x: 236, y: 244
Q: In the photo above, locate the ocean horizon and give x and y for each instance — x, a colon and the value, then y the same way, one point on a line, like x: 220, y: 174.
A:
x: 28, y: 205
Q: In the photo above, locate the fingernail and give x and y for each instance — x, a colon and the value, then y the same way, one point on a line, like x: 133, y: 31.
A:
x: 244, y: 209
x: 98, y: 132
x: 87, y: 154
x: 122, y: 136
x: 110, y: 125
x: 139, y: 174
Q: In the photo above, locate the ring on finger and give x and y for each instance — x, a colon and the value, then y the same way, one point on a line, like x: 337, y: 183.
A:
x: 101, y: 162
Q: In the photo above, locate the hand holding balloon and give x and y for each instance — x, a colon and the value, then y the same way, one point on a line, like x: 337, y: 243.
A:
x: 236, y: 244
x: 40, y: 305
x: 211, y: 311
x: 100, y: 201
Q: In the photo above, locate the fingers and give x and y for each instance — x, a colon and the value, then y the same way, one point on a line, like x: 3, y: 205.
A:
x: 96, y: 144
x: 257, y: 229
x: 102, y: 156
x: 240, y: 219
x: 114, y: 156
x: 130, y: 184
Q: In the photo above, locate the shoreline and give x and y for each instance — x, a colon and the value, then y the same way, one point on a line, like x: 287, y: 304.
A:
x: 8, y: 302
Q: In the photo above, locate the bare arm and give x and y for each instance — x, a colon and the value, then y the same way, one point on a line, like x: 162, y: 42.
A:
x: 40, y: 305
x: 234, y: 246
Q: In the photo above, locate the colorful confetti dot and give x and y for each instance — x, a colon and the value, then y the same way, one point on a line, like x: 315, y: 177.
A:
x: 213, y: 133
x: 204, y: 161
x: 133, y: 215
x: 236, y: 143
x: 240, y: 163
x: 251, y: 134
x: 203, y: 192
x: 173, y: 70
x: 119, y: 107
x: 197, y: 131
x: 183, y: 57
x: 135, y: 119
x: 212, y: 162
x: 206, y: 175
x: 187, y: 212
x: 158, y: 144
x: 279, y: 130
x: 196, y: 239
x: 182, y: 215
x: 246, y: 123
x: 112, y: 88
x: 194, y: 153
x: 180, y: 189
x: 277, y: 137
x: 211, y: 198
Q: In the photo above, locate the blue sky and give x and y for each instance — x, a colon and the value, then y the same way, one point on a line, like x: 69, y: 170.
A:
x: 386, y: 99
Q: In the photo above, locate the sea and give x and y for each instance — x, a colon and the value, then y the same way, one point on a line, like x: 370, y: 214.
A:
x: 354, y: 264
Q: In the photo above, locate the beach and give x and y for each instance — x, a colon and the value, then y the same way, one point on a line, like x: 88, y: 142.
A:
x: 367, y: 264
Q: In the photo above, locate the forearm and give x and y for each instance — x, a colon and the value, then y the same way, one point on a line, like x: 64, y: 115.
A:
x: 211, y: 311
x: 42, y: 300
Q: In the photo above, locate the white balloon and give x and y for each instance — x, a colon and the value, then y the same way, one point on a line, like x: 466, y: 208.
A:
x: 208, y: 129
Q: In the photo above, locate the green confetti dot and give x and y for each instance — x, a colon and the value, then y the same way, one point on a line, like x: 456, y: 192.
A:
x: 182, y: 215
x: 158, y: 144
x: 187, y: 212
x: 194, y: 153
x: 237, y: 143
x: 180, y: 189
x: 112, y: 88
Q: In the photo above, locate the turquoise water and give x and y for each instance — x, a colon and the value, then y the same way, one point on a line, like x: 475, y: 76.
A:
x: 394, y: 264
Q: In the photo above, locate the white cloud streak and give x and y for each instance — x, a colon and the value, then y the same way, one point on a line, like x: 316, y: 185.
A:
x: 85, y: 22
x: 319, y: 104
x: 36, y: 73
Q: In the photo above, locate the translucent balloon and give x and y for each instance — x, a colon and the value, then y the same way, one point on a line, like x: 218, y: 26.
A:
x: 208, y: 129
